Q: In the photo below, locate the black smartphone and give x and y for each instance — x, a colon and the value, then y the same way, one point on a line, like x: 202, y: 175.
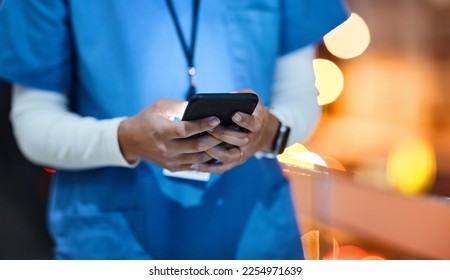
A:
x: 221, y: 105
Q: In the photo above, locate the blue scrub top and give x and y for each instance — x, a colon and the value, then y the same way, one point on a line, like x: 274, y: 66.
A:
x: 114, y: 58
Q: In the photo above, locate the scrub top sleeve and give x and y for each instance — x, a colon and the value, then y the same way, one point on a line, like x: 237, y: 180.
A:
x: 35, y: 44
x: 305, y: 22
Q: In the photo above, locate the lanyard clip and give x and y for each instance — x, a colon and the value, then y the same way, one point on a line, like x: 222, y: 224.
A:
x: 192, y: 71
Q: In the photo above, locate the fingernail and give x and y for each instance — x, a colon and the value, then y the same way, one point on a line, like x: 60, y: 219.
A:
x: 237, y: 117
x: 214, y: 121
x: 195, y: 166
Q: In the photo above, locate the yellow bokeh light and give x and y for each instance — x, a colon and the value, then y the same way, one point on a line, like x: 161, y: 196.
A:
x: 411, y: 166
x: 286, y: 156
x: 309, y: 157
x: 295, y: 148
x: 311, y: 245
x: 329, y: 80
x: 298, y: 155
x: 349, y: 39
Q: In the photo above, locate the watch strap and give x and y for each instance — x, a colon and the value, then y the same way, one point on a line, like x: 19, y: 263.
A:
x: 281, y: 139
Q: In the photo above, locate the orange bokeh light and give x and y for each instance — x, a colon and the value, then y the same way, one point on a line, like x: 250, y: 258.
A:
x: 347, y: 252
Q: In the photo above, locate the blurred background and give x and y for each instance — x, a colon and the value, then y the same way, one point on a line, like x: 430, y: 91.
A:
x: 396, y: 91
x: 373, y: 181
x: 384, y: 83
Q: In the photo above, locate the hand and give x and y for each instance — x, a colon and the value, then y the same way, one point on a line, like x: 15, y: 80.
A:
x: 261, y: 130
x: 152, y: 135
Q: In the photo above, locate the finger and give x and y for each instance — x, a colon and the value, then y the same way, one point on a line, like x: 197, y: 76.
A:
x: 224, y: 155
x: 183, y: 159
x: 179, y: 167
x: 246, y: 121
x: 230, y: 136
x: 217, y: 168
x: 193, y: 144
x: 184, y: 129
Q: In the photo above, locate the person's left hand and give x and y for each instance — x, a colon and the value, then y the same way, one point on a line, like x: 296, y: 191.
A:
x: 260, y: 127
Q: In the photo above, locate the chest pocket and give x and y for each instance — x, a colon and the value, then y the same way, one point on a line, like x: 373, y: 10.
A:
x: 254, y: 30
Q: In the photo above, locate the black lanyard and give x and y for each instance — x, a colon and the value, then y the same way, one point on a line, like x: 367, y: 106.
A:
x: 188, y: 52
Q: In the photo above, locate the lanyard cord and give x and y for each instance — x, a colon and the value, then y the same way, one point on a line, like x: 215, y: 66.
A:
x: 188, y: 52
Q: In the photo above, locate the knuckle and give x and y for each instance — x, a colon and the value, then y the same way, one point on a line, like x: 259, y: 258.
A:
x: 220, y: 132
x: 162, y: 148
x: 156, y: 134
x: 180, y: 130
x: 217, y: 131
x: 258, y: 124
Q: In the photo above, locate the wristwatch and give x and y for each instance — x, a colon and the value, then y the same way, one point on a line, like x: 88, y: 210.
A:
x: 280, y: 141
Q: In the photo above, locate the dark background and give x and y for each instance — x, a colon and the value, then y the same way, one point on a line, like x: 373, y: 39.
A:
x: 23, y: 196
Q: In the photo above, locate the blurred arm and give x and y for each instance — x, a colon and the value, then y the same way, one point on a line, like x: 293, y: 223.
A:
x: 48, y: 134
x: 294, y: 97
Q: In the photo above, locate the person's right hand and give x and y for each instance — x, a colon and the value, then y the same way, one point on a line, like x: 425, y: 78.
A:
x: 151, y: 135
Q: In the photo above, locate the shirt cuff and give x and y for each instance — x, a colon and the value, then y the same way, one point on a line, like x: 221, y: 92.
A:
x: 111, y: 141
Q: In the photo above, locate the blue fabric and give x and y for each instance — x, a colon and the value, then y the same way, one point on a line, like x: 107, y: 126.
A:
x: 115, y: 58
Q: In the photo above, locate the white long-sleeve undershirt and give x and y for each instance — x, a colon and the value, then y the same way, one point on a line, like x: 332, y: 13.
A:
x: 49, y: 134
x: 294, y: 95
